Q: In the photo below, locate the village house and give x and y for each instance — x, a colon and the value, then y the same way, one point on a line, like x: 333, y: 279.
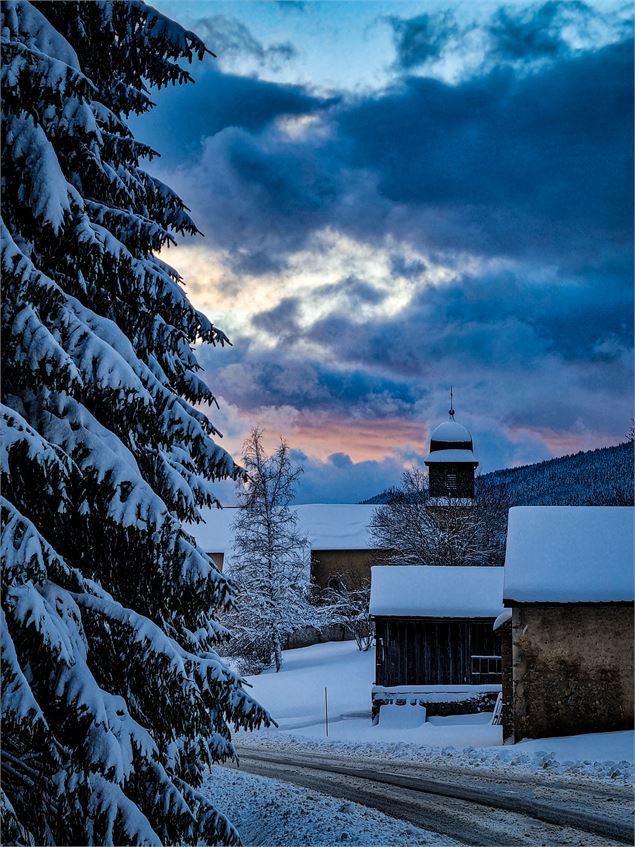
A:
x: 338, y: 536
x: 435, y: 642
x: 568, y: 629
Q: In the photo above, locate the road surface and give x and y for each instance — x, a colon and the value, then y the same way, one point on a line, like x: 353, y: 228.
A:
x: 466, y: 806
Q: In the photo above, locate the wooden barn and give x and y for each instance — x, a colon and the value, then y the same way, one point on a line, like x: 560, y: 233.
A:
x: 435, y: 637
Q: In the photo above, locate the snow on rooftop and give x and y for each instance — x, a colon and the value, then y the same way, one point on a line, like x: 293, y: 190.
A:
x: 215, y: 534
x: 436, y: 591
x: 451, y: 456
x: 569, y: 554
x: 450, y: 431
x: 338, y: 526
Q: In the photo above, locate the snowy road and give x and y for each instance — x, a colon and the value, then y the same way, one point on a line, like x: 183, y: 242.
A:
x: 470, y: 808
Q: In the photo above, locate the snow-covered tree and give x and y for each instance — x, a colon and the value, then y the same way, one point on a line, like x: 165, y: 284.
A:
x: 114, y: 700
x: 347, y: 602
x: 411, y: 531
x: 269, y: 566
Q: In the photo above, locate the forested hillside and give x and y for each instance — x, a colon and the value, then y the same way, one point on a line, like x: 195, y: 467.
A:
x: 602, y: 477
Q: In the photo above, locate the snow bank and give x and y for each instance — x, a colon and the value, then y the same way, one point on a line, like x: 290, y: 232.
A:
x: 294, y: 697
x: 569, y: 554
x: 268, y: 812
x: 436, y: 591
x: 401, y: 717
x: 605, y: 757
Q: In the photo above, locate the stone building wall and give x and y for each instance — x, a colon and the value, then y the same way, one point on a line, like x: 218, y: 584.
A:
x: 573, y: 669
x: 354, y: 564
x: 507, y: 680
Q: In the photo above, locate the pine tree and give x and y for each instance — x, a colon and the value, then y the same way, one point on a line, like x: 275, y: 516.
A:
x: 114, y: 700
x: 269, y: 565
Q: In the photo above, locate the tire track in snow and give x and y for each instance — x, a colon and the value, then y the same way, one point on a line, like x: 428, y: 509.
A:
x: 469, y: 813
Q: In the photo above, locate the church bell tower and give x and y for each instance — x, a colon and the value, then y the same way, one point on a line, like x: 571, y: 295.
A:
x: 451, y: 461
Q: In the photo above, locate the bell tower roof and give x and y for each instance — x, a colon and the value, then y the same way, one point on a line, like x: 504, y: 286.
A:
x: 450, y: 441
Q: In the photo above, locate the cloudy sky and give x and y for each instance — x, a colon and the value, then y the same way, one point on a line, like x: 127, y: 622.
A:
x: 397, y: 197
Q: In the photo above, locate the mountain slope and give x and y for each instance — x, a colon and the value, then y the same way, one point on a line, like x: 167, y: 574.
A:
x: 601, y: 477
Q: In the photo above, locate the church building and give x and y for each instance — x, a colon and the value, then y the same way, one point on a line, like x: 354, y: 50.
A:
x: 451, y: 461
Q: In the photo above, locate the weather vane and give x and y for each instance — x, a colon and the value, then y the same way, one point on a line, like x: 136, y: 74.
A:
x: 451, y: 404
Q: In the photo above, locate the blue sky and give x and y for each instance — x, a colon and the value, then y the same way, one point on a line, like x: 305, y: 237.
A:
x: 397, y: 197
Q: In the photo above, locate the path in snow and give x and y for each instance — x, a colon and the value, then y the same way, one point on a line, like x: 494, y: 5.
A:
x: 466, y: 807
x: 271, y: 813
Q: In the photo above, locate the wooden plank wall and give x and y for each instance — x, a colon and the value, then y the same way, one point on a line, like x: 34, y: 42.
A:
x: 431, y: 652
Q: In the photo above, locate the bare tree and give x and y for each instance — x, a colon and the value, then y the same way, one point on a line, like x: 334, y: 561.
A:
x: 269, y: 565
x: 348, y: 604
x: 413, y: 530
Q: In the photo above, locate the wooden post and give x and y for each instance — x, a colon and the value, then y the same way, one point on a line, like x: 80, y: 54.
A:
x: 326, y: 711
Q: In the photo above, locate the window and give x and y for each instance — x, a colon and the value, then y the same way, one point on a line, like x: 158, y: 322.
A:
x: 486, y: 666
x: 450, y: 481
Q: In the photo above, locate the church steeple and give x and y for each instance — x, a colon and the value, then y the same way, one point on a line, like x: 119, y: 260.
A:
x: 451, y: 461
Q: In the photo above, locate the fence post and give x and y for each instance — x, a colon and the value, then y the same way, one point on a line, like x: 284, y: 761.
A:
x: 326, y: 710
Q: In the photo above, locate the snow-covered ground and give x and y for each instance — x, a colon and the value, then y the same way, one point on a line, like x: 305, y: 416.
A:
x: 271, y: 812
x: 295, y: 699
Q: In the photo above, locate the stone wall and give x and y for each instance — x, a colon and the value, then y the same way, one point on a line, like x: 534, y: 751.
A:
x: 507, y: 680
x: 573, y: 669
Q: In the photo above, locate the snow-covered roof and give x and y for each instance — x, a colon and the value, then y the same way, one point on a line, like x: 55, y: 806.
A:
x: 569, y: 554
x: 215, y: 534
x: 451, y: 431
x: 451, y: 456
x: 339, y: 526
x: 328, y: 526
x: 450, y: 441
x: 434, y: 591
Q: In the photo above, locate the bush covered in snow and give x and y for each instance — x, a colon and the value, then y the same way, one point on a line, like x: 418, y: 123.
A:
x: 114, y: 700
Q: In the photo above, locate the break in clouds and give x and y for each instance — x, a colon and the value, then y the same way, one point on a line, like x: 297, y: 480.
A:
x: 467, y: 223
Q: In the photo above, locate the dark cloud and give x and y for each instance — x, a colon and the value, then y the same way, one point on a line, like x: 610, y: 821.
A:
x: 554, y: 337
x: 533, y: 166
x: 500, y: 320
x: 517, y: 35
x: 230, y: 38
x: 282, y: 320
x: 252, y: 378
x: 354, y: 291
x: 507, y: 164
x: 185, y: 117
x: 518, y: 180
x: 423, y: 38
x: 534, y: 32
x: 409, y: 268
